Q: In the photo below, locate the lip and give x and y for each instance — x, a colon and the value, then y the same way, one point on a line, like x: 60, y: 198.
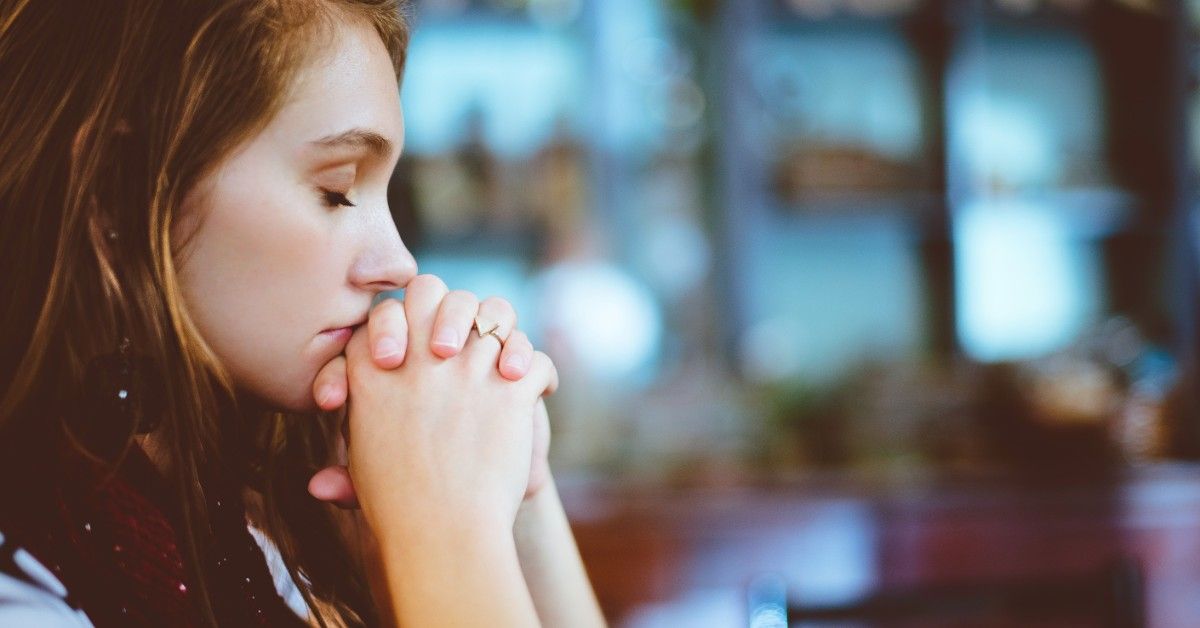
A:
x: 337, y: 337
x: 341, y: 335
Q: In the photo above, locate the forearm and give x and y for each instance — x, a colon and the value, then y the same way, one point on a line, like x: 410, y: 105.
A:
x: 454, y: 574
x: 550, y: 560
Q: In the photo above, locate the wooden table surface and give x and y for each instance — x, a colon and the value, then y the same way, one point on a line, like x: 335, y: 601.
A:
x: 838, y: 538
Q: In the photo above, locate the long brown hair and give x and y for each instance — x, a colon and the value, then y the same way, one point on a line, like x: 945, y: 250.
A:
x: 110, y: 112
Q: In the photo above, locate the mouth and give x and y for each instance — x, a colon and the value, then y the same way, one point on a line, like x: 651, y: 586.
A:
x: 341, y: 335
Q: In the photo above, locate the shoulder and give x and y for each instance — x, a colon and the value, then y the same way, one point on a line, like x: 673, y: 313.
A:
x: 29, y: 594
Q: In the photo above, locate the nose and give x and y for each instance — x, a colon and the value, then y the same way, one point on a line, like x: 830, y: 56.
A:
x: 384, y: 262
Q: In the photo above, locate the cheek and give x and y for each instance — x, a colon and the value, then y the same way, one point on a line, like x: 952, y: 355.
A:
x: 251, y: 277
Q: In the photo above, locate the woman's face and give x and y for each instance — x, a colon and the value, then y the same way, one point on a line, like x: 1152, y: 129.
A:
x: 278, y: 259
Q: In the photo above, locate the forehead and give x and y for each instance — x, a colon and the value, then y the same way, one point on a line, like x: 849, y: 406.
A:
x: 348, y: 84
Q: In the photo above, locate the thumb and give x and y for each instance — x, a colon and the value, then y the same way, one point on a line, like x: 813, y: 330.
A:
x: 333, y: 485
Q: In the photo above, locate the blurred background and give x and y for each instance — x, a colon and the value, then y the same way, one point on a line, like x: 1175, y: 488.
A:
x: 868, y: 312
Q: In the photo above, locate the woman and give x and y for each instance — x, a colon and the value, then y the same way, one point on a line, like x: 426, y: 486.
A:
x: 195, y: 226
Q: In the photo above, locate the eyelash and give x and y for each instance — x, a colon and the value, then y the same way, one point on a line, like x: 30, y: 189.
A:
x: 335, y: 199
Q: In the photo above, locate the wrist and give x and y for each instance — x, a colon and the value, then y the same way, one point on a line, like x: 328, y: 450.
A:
x: 453, y: 573
x: 550, y: 561
x: 414, y: 529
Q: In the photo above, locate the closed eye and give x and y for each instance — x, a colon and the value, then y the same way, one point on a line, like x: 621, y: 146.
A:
x: 335, y: 199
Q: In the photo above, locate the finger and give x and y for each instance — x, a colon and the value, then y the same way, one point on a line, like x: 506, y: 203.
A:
x: 329, y: 388
x: 454, y: 319
x: 333, y: 484
x: 358, y: 356
x: 422, y: 297
x: 539, y: 469
x: 493, y: 312
x: 387, y: 330
x: 516, y: 356
x: 543, y: 375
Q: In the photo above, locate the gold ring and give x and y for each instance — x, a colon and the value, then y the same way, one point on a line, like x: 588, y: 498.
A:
x: 484, y: 327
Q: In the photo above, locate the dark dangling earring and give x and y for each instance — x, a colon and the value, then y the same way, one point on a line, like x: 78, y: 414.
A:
x: 121, y: 396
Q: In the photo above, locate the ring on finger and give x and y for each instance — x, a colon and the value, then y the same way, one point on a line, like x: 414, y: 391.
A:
x: 485, y: 327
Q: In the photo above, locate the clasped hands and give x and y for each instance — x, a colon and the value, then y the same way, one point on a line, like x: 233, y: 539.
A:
x: 434, y: 409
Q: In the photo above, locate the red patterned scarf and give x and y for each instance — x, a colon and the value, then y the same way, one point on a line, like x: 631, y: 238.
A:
x: 114, y: 544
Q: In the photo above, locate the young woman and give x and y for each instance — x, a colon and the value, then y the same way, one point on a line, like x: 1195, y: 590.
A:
x: 193, y: 231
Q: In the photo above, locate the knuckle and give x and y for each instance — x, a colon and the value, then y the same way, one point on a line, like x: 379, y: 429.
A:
x: 424, y: 283
x: 335, y: 366
x: 388, y: 309
x: 462, y: 296
x: 500, y: 305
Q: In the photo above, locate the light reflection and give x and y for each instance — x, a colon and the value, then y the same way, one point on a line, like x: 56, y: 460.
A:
x: 1024, y: 287
x: 607, y: 320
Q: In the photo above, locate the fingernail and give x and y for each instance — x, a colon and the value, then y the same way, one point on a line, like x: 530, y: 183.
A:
x: 517, y: 362
x: 324, y: 394
x: 387, y: 348
x: 447, y: 338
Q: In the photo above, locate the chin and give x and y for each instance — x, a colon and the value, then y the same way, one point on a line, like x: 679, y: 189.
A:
x: 284, y: 398
x: 293, y: 392
x: 280, y: 390
x: 261, y: 403
x: 300, y: 408
x: 302, y: 402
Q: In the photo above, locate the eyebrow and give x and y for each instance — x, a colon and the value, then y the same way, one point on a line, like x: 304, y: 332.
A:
x: 378, y: 145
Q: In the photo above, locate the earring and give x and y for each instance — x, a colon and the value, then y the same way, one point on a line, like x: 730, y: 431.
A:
x: 121, y: 396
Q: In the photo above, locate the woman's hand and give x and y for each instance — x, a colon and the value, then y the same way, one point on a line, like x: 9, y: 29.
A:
x: 387, y: 335
x: 548, y: 559
x: 437, y: 433
x: 439, y: 453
